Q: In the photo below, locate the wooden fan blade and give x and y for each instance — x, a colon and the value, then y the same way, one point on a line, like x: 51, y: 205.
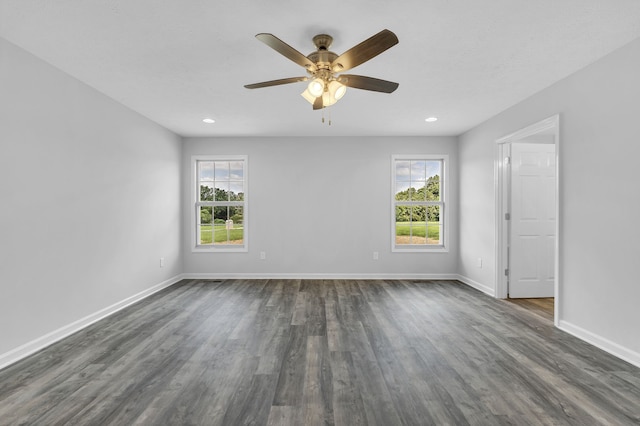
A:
x: 284, y: 49
x: 318, y: 104
x: 275, y: 82
x: 367, y: 83
x: 364, y: 51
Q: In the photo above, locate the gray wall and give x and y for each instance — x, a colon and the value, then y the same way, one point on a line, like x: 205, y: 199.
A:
x: 90, y: 195
x: 338, y: 193
x: 599, y: 203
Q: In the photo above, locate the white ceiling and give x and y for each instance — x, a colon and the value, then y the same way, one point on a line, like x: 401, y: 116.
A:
x: 177, y: 62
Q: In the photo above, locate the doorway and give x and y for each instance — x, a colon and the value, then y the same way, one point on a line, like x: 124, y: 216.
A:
x: 527, y: 213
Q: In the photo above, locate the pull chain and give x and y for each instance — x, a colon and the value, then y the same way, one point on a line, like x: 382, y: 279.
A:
x: 329, y: 115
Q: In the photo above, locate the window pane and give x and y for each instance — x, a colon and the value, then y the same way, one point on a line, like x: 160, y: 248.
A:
x: 434, y: 225
x: 419, y: 171
x: 220, y: 214
x: 433, y: 213
x: 418, y: 213
x: 434, y: 168
x: 402, y: 193
x: 205, y: 171
x: 205, y: 229
x: 403, y: 225
x: 206, y: 235
x: 432, y: 189
x: 236, y: 170
x: 418, y: 191
x: 222, y: 191
x: 434, y: 171
x: 206, y: 192
x: 236, y: 191
x: 221, y: 170
x: 403, y: 170
x: 237, y: 215
x: 434, y: 232
x: 206, y: 217
x: 403, y: 214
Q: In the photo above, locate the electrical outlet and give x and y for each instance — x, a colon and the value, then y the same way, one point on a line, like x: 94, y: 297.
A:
x: 375, y: 255
x: 479, y: 262
x: 162, y: 262
x: 263, y: 255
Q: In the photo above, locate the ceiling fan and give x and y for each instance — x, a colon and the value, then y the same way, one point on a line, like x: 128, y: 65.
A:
x: 326, y: 87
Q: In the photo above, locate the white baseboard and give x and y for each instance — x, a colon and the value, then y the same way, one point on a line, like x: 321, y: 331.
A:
x: 478, y: 286
x: 42, y: 342
x: 315, y: 276
x: 606, y: 345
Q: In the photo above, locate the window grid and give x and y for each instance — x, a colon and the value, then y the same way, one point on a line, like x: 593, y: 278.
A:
x: 418, y: 204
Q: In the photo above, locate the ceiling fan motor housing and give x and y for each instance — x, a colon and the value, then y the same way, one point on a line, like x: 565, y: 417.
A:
x: 322, y: 57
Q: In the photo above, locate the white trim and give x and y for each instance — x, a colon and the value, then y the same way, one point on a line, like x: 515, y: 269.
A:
x: 420, y: 248
x: 316, y: 276
x: 606, y: 345
x: 478, y: 286
x: 220, y: 248
x: 546, y: 124
x: 501, y: 198
x: 444, y: 208
x: 42, y: 342
x: 500, y: 172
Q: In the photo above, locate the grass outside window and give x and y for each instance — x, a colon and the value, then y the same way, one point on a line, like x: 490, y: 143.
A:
x: 219, y: 234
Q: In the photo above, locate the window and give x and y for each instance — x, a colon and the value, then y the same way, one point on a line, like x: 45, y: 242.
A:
x: 220, y: 202
x: 418, y: 203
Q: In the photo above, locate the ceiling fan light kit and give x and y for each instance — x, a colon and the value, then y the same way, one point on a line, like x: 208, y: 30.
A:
x: 316, y: 87
x: 325, y: 86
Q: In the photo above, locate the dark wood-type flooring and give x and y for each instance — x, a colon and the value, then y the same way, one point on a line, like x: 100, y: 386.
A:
x: 307, y: 352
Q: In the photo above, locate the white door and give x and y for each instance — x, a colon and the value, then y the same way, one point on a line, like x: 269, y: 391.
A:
x: 532, y: 222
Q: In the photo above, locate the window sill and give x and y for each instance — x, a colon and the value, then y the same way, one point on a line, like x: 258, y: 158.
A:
x: 220, y: 249
x: 419, y: 249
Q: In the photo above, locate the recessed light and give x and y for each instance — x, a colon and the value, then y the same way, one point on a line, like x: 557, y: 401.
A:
x: 431, y: 119
x: 209, y: 120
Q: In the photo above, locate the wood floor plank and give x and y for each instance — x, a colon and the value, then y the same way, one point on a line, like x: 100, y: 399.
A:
x: 348, y: 408
x: 341, y: 352
x: 291, y: 377
x: 379, y: 406
x: 281, y: 415
x: 317, y: 393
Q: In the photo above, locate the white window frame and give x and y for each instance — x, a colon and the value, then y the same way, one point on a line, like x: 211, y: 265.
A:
x: 196, y: 203
x: 443, y: 203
